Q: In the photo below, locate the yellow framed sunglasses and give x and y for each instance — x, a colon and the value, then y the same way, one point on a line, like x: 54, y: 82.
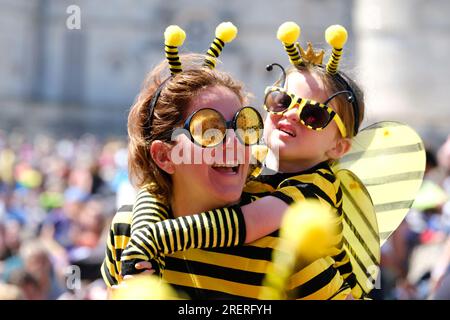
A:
x: 312, y: 114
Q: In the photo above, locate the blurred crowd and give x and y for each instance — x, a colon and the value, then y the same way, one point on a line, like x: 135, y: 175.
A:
x: 416, y: 258
x: 58, y: 196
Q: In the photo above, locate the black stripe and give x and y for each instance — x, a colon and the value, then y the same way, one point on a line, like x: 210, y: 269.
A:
x: 328, y: 176
x: 339, y: 195
x: 361, y: 214
x: 246, y: 251
x: 339, y: 256
x: 381, y: 152
x: 174, y: 233
x: 345, y: 268
x: 287, y: 199
x: 361, y: 265
x: 315, y: 284
x: 220, y: 41
x: 309, y: 190
x: 393, y: 205
x: 175, y: 63
x: 214, y: 271
x: 111, y: 259
x: 205, y: 294
x: 214, y: 51
x: 159, y: 204
x: 171, y: 53
x: 145, y: 241
x: 129, y: 252
x: 211, y: 228
x: 173, y: 58
x: 203, y: 232
x: 219, y: 232
x: 121, y: 229
x: 110, y: 279
x: 219, y: 44
x: 118, y: 253
x: 360, y: 239
x: 153, y: 204
x: 181, y: 233
x: 189, y: 227
x: 210, y: 63
x: 351, y: 280
x: 165, y: 234
x: 171, y: 47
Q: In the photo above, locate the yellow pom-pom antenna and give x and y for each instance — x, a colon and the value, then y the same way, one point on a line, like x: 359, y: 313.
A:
x: 336, y: 36
x: 288, y: 34
x: 173, y: 38
x: 225, y: 32
x: 308, y: 233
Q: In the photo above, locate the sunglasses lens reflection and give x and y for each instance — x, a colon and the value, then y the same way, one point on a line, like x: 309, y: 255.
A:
x: 277, y: 101
x: 207, y: 128
x: 249, y: 126
x: 314, y: 116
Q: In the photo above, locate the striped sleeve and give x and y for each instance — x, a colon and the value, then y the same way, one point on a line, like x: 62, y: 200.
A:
x: 216, y: 228
x: 147, y: 211
x: 117, y: 240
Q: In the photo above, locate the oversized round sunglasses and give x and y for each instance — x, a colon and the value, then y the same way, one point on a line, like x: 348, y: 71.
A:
x: 207, y: 127
x: 314, y: 115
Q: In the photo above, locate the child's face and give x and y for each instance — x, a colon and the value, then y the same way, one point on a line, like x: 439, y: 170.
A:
x: 299, y: 147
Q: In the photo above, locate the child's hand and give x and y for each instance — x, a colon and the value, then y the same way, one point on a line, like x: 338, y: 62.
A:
x: 144, y: 265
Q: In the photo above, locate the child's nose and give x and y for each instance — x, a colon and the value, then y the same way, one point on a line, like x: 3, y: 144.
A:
x: 292, y: 114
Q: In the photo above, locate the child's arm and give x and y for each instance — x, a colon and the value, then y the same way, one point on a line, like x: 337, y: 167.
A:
x: 224, y: 227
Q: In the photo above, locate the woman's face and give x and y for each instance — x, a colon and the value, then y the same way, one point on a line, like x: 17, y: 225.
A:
x: 214, y: 176
x: 299, y: 147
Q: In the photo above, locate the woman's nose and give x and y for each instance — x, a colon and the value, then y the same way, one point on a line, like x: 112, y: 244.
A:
x: 231, y: 139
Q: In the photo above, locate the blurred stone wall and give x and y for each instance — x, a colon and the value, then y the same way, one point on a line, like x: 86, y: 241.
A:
x: 71, y: 81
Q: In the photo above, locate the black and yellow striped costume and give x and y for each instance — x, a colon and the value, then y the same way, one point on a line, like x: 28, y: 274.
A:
x: 319, y: 183
x: 222, y: 272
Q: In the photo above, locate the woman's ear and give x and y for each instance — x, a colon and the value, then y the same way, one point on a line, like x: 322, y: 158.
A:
x: 161, y: 154
x: 341, y: 147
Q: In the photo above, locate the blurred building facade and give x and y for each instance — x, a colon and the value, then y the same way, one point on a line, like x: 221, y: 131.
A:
x: 64, y: 81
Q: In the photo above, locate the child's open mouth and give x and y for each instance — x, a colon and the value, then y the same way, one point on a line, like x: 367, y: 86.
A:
x: 288, y: 129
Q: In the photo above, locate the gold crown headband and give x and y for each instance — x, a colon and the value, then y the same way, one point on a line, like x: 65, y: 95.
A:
x: 174, y: 37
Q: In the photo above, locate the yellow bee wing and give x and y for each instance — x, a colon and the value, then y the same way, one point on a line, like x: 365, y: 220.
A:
x: 389, y: 158
x: 361, y: 235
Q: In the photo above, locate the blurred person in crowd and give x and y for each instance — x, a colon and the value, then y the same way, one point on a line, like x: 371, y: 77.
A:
x: 87, y: 234
x: 36, y: 261
x: 58, y: 223
x: 12, y: 242
x: 28, y: 283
